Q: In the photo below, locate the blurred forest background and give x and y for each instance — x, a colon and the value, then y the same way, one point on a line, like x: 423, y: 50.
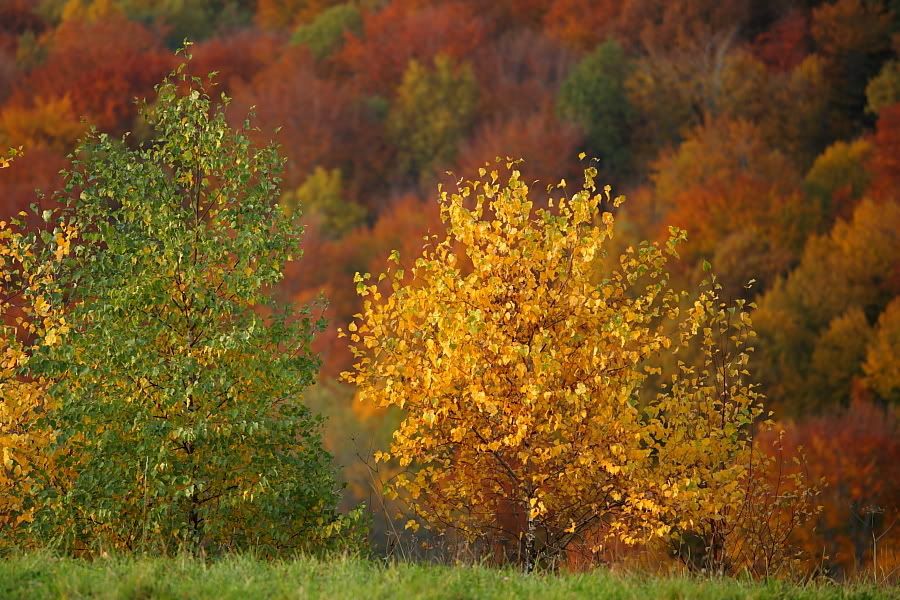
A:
x: 769, y: 130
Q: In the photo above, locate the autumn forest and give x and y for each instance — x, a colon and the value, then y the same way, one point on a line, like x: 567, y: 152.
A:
x: 545, y: 283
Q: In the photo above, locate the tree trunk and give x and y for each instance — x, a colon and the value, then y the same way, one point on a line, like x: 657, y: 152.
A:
x: 529, y: 538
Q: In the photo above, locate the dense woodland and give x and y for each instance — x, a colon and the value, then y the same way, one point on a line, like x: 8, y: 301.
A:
x: 768, y: 130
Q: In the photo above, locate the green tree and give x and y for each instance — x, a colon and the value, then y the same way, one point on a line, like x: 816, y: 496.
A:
x: 321, y: 198
x: 179, y: 388
x: 594, y: 96
x: 431, y: 112
x: 326, y: 32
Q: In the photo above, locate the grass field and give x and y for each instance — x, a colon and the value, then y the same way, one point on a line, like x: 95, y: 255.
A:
x: 41, y: 576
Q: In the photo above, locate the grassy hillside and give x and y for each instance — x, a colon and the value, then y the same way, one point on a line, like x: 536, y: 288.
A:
x: 40, y: 576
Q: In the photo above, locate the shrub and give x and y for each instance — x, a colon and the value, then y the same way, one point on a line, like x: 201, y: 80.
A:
x: 524, y: 366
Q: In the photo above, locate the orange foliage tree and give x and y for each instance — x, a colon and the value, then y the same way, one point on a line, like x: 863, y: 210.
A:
x: 49, y: 123
x: 722, y: 182
x: 581, y: 24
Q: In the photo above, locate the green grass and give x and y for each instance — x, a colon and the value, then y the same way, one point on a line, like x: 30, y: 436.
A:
x: 41, y: 576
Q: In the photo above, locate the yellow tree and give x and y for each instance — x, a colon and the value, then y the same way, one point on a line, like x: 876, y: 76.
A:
x: 881, y: 367
x: 431, y: 113
x: 321, y: 198
x: 523, y: 366
x: 51, y: 123
x: 30, y: 316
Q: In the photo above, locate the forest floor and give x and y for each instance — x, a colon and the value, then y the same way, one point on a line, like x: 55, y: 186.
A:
x: 37, y: 576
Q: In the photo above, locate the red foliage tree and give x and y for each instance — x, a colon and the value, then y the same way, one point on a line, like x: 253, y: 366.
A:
x: 513, y: 14
x: 102, y: 67
x: 885, y: 163
x: 401, y: 227
x: 323, y: 121
x: 519, y: 72
x: 550, y: 147
x: 37, y: 169
x: 666, y: 26
x: 784, y: 46
x: 309, y: 110
x: 408, y: 29
x: 857, y: 454
x: 236, y: 57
